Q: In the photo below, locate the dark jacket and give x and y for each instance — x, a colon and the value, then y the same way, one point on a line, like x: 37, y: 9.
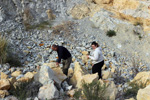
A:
x: 63, y: 53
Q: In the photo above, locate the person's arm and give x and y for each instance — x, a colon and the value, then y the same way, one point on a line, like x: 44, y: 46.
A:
x: 60, y: 55
x: 95, y: 57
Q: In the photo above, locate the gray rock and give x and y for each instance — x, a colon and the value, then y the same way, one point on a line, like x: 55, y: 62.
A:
x: 13, y: 69
x: 48, y: 91
x: 6, y: 66
x: 7, y: 72
x: 25, y: 70
x: 46, y: 76
x: 20, y: 76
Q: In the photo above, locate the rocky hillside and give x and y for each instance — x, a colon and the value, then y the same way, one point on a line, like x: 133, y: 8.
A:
x: 31, y: 26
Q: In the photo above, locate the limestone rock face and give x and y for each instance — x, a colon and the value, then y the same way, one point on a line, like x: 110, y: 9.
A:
x: 144, y: 94
x: 4, y: 84
x: 142, y: 77
x: 126, y: 4
x: 48, y: 91
x: 80, y: 11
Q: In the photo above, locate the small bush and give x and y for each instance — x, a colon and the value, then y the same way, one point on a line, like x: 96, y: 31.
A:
x: 111, y: 33
x: 140, y: 37
x: 3, y: 50
x: 132, y: 92
x: 19, y: 91
x: 92, y: 91
x: 13, y: 60
x: 118, y: 79
x: 137, y: 23
x: 24, y: 90
x: 136, y: 66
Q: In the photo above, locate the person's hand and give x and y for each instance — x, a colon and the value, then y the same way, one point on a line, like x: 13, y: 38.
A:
x: 88, y: 56
x: 57, y: 64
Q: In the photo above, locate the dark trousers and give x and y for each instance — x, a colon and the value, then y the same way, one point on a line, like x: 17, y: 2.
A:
x: 66, y: 64
x: 97, y: 68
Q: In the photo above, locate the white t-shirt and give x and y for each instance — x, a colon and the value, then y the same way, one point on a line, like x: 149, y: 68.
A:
x: 97, y: 55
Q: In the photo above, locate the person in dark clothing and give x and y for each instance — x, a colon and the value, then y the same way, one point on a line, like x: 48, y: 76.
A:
x: 97, y: 59
x: 64, y: 54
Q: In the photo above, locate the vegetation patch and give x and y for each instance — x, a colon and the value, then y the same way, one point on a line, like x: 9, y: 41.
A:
x: 111, y: 33
x: 133, y: 90
x: 92, y: 91
x: 3, y: 49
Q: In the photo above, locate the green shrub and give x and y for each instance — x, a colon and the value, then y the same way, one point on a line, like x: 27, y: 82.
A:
x: 3, y: 50
x: 132, y: 92
x: 6, y: 54
x: 92, y: 91
x: 23, y: 90
x: 140, y: 37
x: 13, y: 60
x: 135, y: 65
x: 20, y: 90
x: 111, y: 33
x: 137, y: 23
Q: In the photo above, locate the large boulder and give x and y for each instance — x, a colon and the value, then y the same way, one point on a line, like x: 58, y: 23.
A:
x: 142, y: 77
x: 144, y: 94
x: 89, y: 78
x: 48, y: 92
x: 57, y: 71
x: 80, y: 75
x: 111, y: 90
x: 4, y: 84
x: 51, y: 64
x: 46, y: 75
x: 59, y: 74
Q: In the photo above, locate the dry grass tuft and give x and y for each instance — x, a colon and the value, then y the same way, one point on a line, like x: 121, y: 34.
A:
x: 3, y: 49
